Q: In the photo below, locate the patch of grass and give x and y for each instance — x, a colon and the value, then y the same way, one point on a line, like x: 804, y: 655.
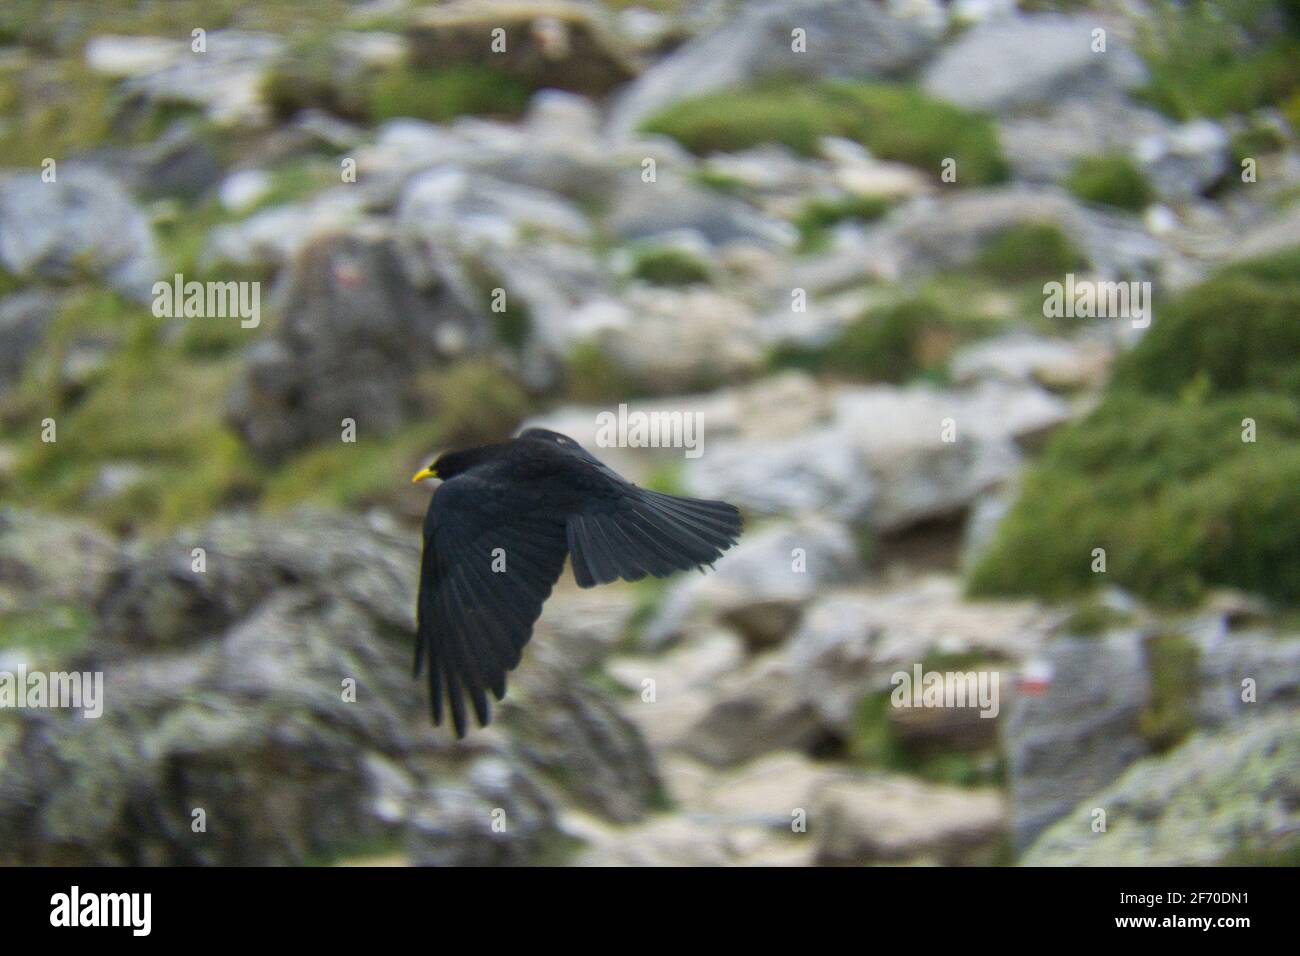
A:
x: 55, y: 109
x: 349, y: 475
x: 53, y: 632
x: 668, y: 266
x: 1111, y: 180
x: 148, y: 406
x: 1029, y: 252
x: 1240, y: 331
x: 475, y: 401
x: 1173, y: 664
x: 819, y: 216
x: 1159, y: 474
x: 442, y: 95
x: 1216, y: 58
x: 1093, y: 620
x: 308, y: 77
x: 894, y: 343
x: 895, y: 122
x: 591, y: 376
x: 874, y: 743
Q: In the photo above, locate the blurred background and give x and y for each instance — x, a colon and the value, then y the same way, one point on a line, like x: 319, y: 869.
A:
x: 825, y: 227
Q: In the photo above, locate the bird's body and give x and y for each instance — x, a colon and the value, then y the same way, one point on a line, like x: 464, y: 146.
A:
x: 496, y: 536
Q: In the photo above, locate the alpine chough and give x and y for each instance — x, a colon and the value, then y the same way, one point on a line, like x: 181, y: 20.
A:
x: 495, y: 538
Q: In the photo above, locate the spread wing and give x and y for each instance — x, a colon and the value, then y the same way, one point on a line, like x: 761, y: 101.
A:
x: 624, y: 531
x: 491, y: 557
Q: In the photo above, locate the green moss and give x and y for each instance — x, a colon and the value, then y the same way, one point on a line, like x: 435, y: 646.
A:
x: 1256, y: 141
x: 897, y: 123
x: 592, y: 376
x: 1029, y: 252
x: 476, y: 401
x: 308, y: 77
x: 1112, y: 180
x: 819, y: 216
x: 357, y: 474
x: 1172, y: 494
x: 53, y: 633
x: 1238, y: 331
x: 667, y: 266
x: 1159, y: 475
x: 54, y: 110
x: 147, y: 406
x: 1173, y: 664
x: 894, y: 343
x: 874, y: 743
x: 1093, y: 620
x: 442, y: 95
x: 1199, y: 65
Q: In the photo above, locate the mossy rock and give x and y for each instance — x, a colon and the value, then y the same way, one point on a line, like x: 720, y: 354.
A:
x: 1111, y: 180
x: 895, y: 122
x: 671, y: 267
x: 547, y: 45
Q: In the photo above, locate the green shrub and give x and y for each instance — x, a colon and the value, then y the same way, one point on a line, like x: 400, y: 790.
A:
x: 1173, y: 667
x: 1030, y: 251
x: 1170, y: 491
x: 819, y: 216
x: 897, y: 123
x: 1112, y: 180
x: 1217, y: 58
x: 666, y: 266
x: 442, y: 95
x: 1159, y: 475
x: 883, y: 345
x: 1237, y: 331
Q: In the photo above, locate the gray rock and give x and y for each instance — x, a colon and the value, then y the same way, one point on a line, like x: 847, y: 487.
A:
x: 760, y: 585
x: 1232, y: 797
x: 642, y: 211
x: 495, y: 816
x: 48, y: 559
x: 24, y: 319
x: 273, y: 692
x: 1021, y: 357
x: 859, y: 822
x: 1080, y: 734
x: 846, y: 39
x: 930, y: 234
x: 1023, y: 62
x: 83, y: 221
x: 851, y: 642
x: 355, y: 332
x: 1184, y: 162
x: 225, y: 80
x: 572, y: 733
x: 752, y: 712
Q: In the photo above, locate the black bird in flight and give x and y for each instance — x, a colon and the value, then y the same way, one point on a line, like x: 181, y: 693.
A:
x: 495, y: 538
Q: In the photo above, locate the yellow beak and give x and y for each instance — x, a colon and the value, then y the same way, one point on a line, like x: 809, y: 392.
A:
x: 423, y: 474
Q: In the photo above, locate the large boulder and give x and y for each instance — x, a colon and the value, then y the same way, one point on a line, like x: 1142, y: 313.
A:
x: 1077, y: 733
x: 356, y: 329
x: 761, y: 585
x: 1232, y: 798
x: 845, y: 39
x: 81, y: 222
x: 547, y: 44
x: 1024, y: 62
x: 858, y: 822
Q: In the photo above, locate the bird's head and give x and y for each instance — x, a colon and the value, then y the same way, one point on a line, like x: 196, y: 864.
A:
x: 428, y: 471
